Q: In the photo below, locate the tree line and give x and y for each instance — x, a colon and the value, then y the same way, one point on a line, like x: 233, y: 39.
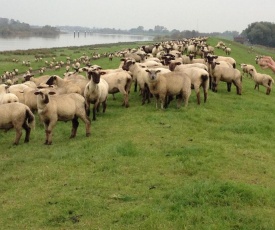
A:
x: 260, y: 33
x: 11, y: 27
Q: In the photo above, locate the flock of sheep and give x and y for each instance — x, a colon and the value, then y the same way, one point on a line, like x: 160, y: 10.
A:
x: 164, y: 71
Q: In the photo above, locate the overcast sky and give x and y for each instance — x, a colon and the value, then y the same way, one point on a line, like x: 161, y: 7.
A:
x: 201, y: 15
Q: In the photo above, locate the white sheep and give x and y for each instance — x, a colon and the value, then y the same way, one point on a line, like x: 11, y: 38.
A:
x: 140, y: 77
x: 17, y: 115
x: 96, y: 92
x: 228, y: 75
x: 6, y: 97
x: 261, y: 79
x: 119, y: 81
x: 199, y: 78
x: 169, y: 84
x: 63, y: 107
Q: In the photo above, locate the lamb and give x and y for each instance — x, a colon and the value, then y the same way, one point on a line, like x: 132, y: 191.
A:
x: 227, y: 50
x: 17, y: 115
x: 63, y: 107
x: 199, y: 77
x: 169, y: 84
x: 7, y: 97
x: 96, y: 92
x: 120, y: 81
x: 226, y: 74
x: 262, y: 79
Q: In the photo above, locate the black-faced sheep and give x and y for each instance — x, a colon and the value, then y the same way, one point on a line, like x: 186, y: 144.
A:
x: 17, y: 115
x: 65, y: 107
x: 96, y: 92
x: 169, y: 84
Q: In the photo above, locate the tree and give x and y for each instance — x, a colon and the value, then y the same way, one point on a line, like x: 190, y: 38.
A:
x: 261, y: 33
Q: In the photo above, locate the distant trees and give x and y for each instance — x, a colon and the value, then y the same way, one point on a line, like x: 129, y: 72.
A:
x: 261, y: 33
x: 9, y: 27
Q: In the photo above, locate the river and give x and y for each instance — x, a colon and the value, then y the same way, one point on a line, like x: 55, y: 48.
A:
x: 66, y: 40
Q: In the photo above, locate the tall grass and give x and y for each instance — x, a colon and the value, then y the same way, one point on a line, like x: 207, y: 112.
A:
x: 208, y: 166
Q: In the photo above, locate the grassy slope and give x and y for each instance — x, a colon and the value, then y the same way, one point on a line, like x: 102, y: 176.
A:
x: 202, y: 167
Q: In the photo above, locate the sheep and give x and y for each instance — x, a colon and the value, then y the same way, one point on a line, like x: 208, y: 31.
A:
x: 169, y: 84
x: 227, y: 62
x: 246, y: 68
x: 120, y: 81
x: 199, y: 77
x: 261, y: 79
x: 227, y: 50
x: 6, y: 97
x: 64, y: 86
x: 139, y: 77
x: 226, y: 74
x: 63, y: 107
x: 196, y: 60
x: 17, y: 115
x: 36, y: 80
x: 96, y: 92
x: 192, y: 49
x: 175, y: 64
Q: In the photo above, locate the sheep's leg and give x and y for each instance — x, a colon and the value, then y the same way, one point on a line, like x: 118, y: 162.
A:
x: 135, y: 89
x: 95, y: 109
x: 210, y: 82
x: 179, y: 102
x: 229, y: 86
x: 104, y: 105
x: 18, y: 135
x: 157, y: 100
x: 125, y: 96
x: 75, y: 124
x: 87, y: 107
x: 197, y: 90
x: 49, y: 125
x: 87, y: 122
x: 28, y: 131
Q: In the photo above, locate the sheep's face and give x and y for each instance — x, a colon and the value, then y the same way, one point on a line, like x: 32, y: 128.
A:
x: 94, y: 76
x: 43, y: 95
x: 153, y: 74
x: 127, y: 64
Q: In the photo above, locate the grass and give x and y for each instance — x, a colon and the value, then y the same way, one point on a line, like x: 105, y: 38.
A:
x: 201, y: 167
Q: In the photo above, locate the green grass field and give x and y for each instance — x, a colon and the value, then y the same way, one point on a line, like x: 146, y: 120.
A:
x: 208, y: 166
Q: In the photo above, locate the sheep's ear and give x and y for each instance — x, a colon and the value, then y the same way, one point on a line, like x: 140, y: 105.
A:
x: 148, y: 71
x: 122, y: 59
x: 217, y: 63
x: 52, y: 93
x: 178, y: 63
x: 36, y: 92
x: 158, y: 71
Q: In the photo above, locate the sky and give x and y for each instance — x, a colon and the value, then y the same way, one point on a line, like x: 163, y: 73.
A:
x: 200, y: 15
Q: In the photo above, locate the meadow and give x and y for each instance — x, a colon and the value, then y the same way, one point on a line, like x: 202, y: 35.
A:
x: 208, y: 166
